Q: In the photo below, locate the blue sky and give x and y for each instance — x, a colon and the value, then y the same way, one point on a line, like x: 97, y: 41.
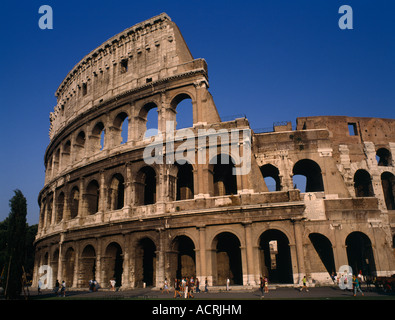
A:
x: 270, y: 60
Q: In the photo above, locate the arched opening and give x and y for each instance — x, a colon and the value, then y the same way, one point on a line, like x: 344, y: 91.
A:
x: 74, y: 202
x: 92, y: 197
x: 113, y: 264
x: 69, y: 267
x: 146, y: 186
x: 79, y: 146
x: 121, y: 128
x: 60, y: 207
x: 145, y: 270
x: 227, y: 259
x: 224, y: 181
x: 311, y: 172
x: 363, y: 184
x: 148, y: 121
x: 388, y: 184
x: 97, y: 137
x: 323, y: 247
x: 183, y: 260
x: 185, y: 182
x: 87, y: 266
x: 360, y: 254
x: 49, y: 210
x: 276, y: 257
x: 271, y: 176
x: 55, y: 266
x: 182, y: 103
x: 384, y: 157
x: 66, y: 154
x: 117, y: 192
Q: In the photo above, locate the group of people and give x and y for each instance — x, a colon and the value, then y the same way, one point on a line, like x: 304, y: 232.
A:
x: 185, y: 287
x: 264, y: 285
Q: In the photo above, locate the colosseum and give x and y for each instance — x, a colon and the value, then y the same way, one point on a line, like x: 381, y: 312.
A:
x: 108, y: 213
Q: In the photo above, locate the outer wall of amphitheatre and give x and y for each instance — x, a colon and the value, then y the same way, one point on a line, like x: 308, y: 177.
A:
x: 105, y: 213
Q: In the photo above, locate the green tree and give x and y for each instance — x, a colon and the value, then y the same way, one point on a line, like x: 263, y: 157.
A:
x: 16, y: 245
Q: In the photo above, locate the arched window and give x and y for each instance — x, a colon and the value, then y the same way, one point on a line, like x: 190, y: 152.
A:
x: 121, y: 128
x: 148, y: 121
x: 363, y: 184
x: 311, y: 172
x: 74, y: 202
x: 388, y: 184
x: 182, y: 104
x: 224, y: 180
x: 117, y: 192
x: 184, y: 182
x: 60, y: 207
x: 146, y: 186
x: 97, y: 137
x: 271, y: 175
x: 92, y: 197
x: 66, y: 154
x: 384, y: 157
x: 79, y: 146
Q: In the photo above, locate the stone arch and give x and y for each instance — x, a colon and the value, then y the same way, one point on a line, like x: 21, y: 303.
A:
x: 79, y: 145
x: 312, y: 173
x: 74, y: 202
x: 112, y: 262
x: 92, y: 197
x: 97, y: 137
x: 272, y: 172
x: 66, y: 154
x: 117, y: 192
x: 145, y: 186
x: 224, y: 181
x: 275, y: 256
x: 360, y: 253
x: 182, y: 103
x: 363, y: 184
x: 148, y: 125
x: 226, y: 259
x: 68, y: 267
x: 323, y: 248
x: 185, y: 181
x: 388, y: 184
x: 87, y: 265
x: 182, y: 257
x: 145, y: 262
x: 119, y: 126
x: 384, y: 157
x: 60, y: 207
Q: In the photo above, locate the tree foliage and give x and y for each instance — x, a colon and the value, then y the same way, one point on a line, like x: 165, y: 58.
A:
x: 16, y: 245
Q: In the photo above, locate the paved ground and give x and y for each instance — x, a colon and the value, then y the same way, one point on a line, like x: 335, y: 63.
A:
x: 279, y: 293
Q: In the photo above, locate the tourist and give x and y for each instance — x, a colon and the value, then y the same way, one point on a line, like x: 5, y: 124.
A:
x: 177, y: 288
x: 262, y: 286
x: 56, y: 288
x: 166, y: 286
x: 227, y: 284
x: 197, y: 290
x: 112, y: 284
x: 205, y: 286
x: 63, y: 289
x: 356, y: 285
x: 304, y: 281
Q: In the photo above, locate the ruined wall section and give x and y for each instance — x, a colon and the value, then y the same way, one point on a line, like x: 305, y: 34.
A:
x: 140, y: 55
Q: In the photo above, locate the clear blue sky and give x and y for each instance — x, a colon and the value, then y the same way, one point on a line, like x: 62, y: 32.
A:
x: 270, y: 60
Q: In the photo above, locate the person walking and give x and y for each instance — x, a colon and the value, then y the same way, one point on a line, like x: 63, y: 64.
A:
x: 205, y: 285
x: 227, y: 284
x: 39, y: 287
x: 262, y: 286
x: 166, y: 286
x: 304, y: 281
x: 177, y: 288
x: 63, y: 289
x: 197, y: 286
x: 356, y: 285
x: 112, y: 284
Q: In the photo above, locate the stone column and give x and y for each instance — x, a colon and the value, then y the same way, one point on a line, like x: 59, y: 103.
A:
x: 249, y: 253
x: 299, y: 249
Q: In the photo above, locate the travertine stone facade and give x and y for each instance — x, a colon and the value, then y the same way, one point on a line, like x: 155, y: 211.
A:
x: 106, y: 213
